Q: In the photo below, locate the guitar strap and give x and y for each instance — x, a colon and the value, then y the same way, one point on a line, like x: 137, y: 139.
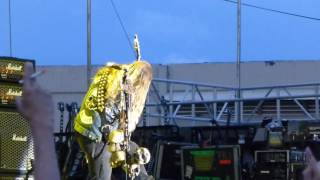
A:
x: 104, y: 122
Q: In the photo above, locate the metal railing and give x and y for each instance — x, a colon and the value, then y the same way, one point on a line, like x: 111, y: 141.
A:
x: 173, y: 101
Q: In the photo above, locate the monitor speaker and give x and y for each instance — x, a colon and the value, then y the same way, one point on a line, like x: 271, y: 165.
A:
x: 168, y: 160
x: 16, y: 144
x: 212, y: 162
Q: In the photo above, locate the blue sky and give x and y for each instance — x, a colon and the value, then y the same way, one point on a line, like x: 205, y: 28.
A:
x: 53, y: 32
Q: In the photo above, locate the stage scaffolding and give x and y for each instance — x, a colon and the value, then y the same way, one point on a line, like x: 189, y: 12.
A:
x: 188, y: 103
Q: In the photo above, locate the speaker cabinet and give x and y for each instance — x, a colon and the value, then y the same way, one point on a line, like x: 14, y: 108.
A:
x: 16, y: 144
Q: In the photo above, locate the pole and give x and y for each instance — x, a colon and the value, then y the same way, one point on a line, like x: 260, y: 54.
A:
x: 238, y: 93
x: 10, y: 30
x: 88, y: 43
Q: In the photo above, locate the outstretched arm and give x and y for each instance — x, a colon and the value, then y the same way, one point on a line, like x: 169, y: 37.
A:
x: 36, y: 106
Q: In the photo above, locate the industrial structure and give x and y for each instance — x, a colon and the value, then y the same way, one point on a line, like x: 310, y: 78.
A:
x: 197, y: 94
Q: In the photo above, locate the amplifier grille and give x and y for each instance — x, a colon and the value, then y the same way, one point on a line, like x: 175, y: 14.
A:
x: 16, y: 144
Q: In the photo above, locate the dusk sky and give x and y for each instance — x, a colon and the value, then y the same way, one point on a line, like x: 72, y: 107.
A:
x: 53, y: 32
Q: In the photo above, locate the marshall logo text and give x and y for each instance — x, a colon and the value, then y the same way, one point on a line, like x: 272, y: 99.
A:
x: 19, y: 138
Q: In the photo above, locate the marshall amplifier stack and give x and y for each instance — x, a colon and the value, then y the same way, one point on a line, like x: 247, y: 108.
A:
x: 16, y: 145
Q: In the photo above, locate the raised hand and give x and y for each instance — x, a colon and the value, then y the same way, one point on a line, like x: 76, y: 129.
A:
x: 35, y: 105
x: 312, y: 172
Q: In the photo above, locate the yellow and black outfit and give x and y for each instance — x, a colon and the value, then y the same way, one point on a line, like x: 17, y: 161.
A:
x: 100, y: 111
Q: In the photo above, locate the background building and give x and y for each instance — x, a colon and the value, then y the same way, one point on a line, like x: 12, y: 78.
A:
x: 68, y: 84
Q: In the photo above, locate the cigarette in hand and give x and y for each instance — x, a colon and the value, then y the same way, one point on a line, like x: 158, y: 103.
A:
x: 34, y: 75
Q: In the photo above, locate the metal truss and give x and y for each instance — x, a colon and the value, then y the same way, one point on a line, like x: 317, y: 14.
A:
x: 173, y: 102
